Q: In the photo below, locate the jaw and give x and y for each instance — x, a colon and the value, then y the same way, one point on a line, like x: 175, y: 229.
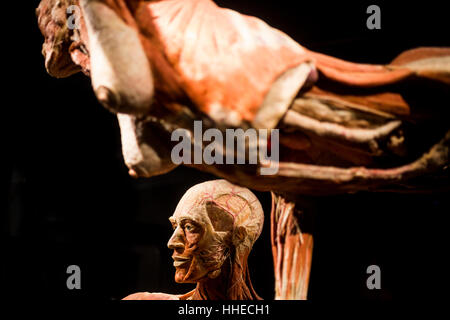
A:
x: 190, y: 273
x: 182, y: 275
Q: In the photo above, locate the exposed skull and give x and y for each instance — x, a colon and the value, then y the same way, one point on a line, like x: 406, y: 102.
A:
x: 213, y: 221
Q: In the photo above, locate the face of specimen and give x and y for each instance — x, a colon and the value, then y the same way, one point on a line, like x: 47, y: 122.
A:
x: 200, y: 241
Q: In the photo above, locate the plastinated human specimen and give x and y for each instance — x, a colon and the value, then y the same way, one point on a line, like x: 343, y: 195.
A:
x: 344, y: 127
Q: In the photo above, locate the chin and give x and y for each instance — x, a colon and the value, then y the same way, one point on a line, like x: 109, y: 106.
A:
x: 180, y: 275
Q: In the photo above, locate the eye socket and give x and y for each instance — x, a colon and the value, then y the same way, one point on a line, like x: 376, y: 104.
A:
x: 189, y: 227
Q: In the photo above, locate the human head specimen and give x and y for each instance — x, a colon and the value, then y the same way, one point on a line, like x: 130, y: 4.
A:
x: 215, y: 226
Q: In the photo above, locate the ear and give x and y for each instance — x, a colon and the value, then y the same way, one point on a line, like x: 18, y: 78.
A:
x: 220, y: 219
x: 239, y: 235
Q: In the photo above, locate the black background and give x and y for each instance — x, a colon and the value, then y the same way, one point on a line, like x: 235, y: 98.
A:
x: 69, y: 200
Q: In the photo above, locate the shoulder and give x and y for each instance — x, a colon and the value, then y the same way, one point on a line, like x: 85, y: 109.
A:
x: 151, y: 296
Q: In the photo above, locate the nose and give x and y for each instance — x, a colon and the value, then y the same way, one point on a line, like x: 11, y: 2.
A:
x: 176, y: 241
